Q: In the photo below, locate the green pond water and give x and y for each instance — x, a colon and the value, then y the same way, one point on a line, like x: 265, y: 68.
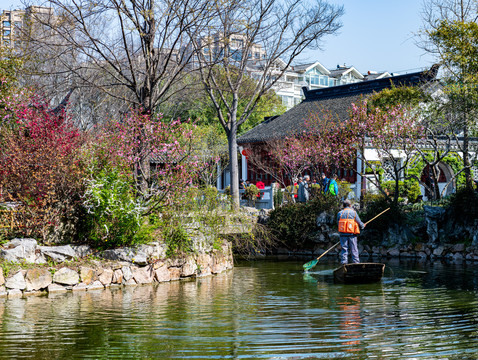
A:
x: 260, y: 310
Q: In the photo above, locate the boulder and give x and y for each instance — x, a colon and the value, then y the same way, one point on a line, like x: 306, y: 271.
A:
x: 162, y: 274
x: 174, y: 273
x: 66, y: 276
x: 324, y: 218
x: 87, y: 275
x: 120, y: 254
x: 394, y: 252
x: 95, y: 285
x: 58, y: 253
x: 17, y: 281
x: 79, y: 287
x: 458, y: 248
x: 130, y: 282
x: 439, y: 251
x: 143, y: 275
x: 458, y: 257
x: 2, y: 279
x: 18, y: 250
x: 82, y: 251
x: 14, y: 293
x: 56, y: 288
x: 127, y: 273
x: 117, y: 277
x: 3, y: 291
x: 140, y: 259
x: 189, y: 268
x: 106, y: 277
x: 38, y: 278
x: 433, y: 215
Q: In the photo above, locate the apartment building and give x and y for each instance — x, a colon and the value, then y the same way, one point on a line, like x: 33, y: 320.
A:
x: 14, y: 22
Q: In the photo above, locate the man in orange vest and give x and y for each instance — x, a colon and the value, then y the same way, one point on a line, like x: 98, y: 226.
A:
x: 349, y: 223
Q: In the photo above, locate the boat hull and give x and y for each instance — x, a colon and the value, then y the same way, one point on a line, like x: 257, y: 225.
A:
x: 361, y: 273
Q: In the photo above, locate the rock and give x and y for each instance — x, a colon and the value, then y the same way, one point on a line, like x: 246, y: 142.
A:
x: 2, y: 279
x: 106, y: 277
x: 174, y: 273
x: 58, y: 253
x: 433, y: 215
x: 334, y: 237
x: 121, y: 254
x: 66, y: 276
x: 189, y: 268
x: 162, y: 274
x: 127, y: 274
x: 38, y: 278
x: 439, y: 251
x: 3, y: 291
x: 56, y: 288
x: 418, y: 247
x: 130, y: 282
x: 95, y: 285
x: 117, y: 277
x: 87, y: 275
x: 140, y: 259
x: 458, y: 248
x: 143, y: 275
x: 80, y: 287
x: 394, y: 252
x: 82, y: 251
x: 17, y: 281
x: 17, y: 250
x: 458, y: 257
x: 422, y: 255
x: 324, y: 218
x: 14, y: 293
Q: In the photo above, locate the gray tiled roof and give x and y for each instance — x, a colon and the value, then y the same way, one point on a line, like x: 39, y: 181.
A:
x: 336, y: 100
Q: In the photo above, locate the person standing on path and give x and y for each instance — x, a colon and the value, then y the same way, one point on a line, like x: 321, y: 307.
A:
x: 333, y: 187
x: 349, y: 223
x: 303, y: 192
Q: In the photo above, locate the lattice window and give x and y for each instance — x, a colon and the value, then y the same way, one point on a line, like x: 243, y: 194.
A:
x: 387, y: 165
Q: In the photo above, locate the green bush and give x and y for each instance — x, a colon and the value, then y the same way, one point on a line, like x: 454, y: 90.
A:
x: 113, y: 216
x: 374, y: 205
x: 294, y: 224
x: 464, y: 204
x: 251, y: 192
x: 177, y: 240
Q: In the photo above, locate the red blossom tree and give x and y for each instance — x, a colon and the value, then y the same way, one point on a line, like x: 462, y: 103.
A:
x: 39, y: 164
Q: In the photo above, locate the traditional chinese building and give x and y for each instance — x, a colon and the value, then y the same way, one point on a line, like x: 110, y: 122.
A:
x: 337, y: 101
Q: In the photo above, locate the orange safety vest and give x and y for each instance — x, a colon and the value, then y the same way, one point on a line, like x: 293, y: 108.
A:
x: 348, y: 226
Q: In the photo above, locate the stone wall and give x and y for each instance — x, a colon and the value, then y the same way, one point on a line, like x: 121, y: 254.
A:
x: 145, y: 264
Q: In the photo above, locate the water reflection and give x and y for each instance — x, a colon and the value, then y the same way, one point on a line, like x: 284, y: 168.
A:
x: 268, y: 310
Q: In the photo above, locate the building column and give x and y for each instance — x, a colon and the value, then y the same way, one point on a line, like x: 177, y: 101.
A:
x: 358, y: 181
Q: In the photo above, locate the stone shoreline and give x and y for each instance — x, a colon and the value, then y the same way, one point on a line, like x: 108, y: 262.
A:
x: 120, y: 267
x: 452, y: 252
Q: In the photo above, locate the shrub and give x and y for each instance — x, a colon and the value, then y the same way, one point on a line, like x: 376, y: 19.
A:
x: 464, y: 204
x: 113, y: 214
x: 294, y: 224
x: 251, y: 192
x: 374, y: 205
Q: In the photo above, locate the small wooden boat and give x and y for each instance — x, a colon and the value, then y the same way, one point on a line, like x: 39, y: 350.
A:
x: 360, y: 273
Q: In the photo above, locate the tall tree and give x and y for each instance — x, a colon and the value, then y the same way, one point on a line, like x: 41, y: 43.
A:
x: 133, y: 50
x: 260, y: 38
x: 451, y: 33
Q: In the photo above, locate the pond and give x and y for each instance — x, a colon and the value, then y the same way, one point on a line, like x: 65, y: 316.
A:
x: 259, y: 310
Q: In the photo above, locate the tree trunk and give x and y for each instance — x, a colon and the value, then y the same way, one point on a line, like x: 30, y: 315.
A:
x: 234, y: 164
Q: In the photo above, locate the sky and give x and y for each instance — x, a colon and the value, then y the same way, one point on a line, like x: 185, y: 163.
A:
x: 377, y: 35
